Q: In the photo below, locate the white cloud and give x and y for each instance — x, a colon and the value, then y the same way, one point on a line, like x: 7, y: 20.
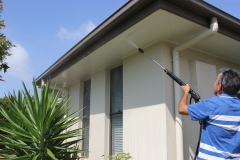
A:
x: 82, y: 31
x: 20, y: 64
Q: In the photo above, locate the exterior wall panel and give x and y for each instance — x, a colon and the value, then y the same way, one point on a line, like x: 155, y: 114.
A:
x: 76, y: 97
x: 144, y: 108
x: 211, y: 65
x: 99, y: 115
x: 169, y: 101
x: 148, y: 104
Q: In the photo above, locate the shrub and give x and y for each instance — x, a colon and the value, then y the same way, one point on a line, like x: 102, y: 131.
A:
x: 38, y: 126
x: 118, y: 156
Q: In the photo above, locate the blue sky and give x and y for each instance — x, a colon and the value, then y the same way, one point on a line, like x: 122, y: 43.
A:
x: 44, y: 30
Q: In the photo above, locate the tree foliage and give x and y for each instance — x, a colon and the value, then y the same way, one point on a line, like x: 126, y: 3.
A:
x: 4, y: 103
x: 5, y: 45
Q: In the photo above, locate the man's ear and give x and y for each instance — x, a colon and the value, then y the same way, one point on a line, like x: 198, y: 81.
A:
x: 220, y: 89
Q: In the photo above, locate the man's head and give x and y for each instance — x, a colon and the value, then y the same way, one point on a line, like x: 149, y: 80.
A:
x: 228, y: 81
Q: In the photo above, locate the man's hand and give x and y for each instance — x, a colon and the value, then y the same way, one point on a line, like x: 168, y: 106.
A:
x: 185, y: 88
x: 182, y: 106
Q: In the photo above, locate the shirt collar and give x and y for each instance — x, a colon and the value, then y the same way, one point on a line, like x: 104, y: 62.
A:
x: 227, y: 96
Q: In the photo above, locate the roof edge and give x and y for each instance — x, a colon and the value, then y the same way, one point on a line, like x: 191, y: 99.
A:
x: 131, y: 13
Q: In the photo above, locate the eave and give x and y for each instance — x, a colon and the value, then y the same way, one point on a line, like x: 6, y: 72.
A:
x: 133, y: 12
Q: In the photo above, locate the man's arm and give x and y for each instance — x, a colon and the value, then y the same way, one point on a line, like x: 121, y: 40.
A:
x: 182, y: 106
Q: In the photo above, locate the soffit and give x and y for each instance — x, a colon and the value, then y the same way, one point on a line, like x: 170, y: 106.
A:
x: 159, y: 26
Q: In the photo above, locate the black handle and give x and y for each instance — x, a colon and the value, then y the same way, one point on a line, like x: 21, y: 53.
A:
x: 194, y: 95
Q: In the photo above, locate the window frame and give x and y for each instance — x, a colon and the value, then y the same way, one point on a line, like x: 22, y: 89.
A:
x: 112, y: 111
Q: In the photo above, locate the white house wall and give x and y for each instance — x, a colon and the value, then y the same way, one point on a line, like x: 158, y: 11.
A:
x: 148, y: 125
x: 76, y: 97
x: 148, y: 117
x: 213, y: 64
x: 99, y: 115
x: 148, y: 104
x: 166, y: 51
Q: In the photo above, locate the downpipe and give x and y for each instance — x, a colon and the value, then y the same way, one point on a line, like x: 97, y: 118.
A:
x: 177, y: 91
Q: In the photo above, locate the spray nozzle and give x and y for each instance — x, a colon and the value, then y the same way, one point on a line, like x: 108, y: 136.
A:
x: 140, y: 50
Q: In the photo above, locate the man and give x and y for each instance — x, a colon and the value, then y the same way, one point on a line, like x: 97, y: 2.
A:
x: 220, y: 115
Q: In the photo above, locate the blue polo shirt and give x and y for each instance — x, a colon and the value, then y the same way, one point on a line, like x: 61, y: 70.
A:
x: 221, y: 127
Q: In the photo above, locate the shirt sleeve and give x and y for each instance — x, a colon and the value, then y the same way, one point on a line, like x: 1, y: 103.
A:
x: 201, y: 110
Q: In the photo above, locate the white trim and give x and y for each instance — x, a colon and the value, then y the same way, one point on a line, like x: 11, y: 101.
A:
x: 209, y: 157
x: 225, y: 118
x: 227, y: 127
x: 214, y: 149
x: 206, y: 156
x: 228, y: 97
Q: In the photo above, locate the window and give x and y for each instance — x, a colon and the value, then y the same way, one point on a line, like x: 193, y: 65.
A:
x: 116, y: 108
x: 86, y: 112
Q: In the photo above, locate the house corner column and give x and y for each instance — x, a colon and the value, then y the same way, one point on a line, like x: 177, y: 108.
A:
x: 99, y: 115
x: 76, y: 97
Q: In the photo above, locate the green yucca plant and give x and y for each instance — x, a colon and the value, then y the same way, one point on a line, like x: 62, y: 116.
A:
x: 38, y: 127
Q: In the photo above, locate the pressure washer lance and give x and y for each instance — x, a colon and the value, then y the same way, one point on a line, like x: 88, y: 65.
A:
x: 194, y: 95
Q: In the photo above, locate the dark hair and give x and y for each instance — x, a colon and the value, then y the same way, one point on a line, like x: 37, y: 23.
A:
x: 230, y: 81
